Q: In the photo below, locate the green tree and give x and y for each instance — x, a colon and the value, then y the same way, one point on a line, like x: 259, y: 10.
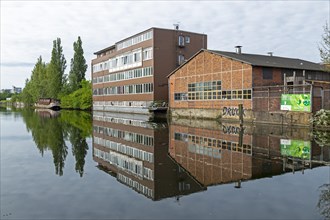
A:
x: 324, y: 47
x: 26, y: 95
x: 55, y: 70
x: 78, y: 66
x: 79, y: 99
x: 39, y: 80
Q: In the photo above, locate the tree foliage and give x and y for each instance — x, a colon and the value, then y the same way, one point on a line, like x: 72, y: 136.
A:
x: 324, y: 47
x: 48, y: 80
x: 80, y: 99
x: 55, y: 70
x: 78, y: 67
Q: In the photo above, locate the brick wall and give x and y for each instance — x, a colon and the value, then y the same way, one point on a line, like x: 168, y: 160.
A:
x: 205, y: 67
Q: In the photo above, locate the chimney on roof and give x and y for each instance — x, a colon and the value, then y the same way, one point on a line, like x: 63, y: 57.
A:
x: 238, y: 49
x: 270, y: 54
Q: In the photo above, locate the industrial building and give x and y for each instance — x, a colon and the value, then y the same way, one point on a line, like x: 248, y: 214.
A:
x: 212, y: 84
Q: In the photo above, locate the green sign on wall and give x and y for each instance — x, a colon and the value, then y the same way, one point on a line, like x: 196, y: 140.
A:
x: 296, y: 102
x: 296, y: 148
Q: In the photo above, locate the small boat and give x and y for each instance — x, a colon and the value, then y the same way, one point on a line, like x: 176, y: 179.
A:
x: 48, y: 103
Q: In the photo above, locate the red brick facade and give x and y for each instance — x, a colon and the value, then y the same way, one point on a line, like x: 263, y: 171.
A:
x: 205, y: 67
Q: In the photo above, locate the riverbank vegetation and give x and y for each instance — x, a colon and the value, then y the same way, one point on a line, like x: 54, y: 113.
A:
x: 48, y: 80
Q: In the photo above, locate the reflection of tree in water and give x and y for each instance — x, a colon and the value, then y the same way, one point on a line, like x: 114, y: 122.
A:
x: 50, y: 133
x: 79, y: 149
x: 324, y: 201
x: 322, y: 138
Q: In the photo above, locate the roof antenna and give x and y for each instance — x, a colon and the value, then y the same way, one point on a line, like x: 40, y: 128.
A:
x: 176, y: 26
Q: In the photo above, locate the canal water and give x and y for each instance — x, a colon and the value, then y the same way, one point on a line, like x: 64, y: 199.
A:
x: 77, y: 165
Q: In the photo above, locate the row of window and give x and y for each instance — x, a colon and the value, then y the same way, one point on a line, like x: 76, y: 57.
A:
x: 127, y: 150
x: 228, y: 94
x: 131, y: 122
x: 128, y: 89
x: 135, y: 185
x: 212, y: 142
x: 182, y: 40
x: 215, y: 95
x: 135, y: 40
x: 130, y: 74
x: 204, y: 86
x: 125, y: 163
x: 122, y: 103
x: 125, y: 135
x: 206, y: 151
x: 124, y: 61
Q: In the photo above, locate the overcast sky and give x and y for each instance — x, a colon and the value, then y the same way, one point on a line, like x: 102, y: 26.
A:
x: 28, y: 28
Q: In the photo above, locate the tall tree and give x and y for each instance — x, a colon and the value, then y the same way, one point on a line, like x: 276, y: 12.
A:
x: 78, y: 66
x: 324, y: 47
x: 39, y: 80
x: 55, y: 70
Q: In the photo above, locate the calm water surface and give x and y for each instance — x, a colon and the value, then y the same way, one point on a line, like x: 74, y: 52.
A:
x: 75, y: 165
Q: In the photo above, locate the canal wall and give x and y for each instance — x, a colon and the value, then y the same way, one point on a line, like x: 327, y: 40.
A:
x: 231, y: 114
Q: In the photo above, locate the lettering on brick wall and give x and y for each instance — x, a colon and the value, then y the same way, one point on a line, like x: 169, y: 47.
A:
x: 231, y: 129
x: 231, y: 111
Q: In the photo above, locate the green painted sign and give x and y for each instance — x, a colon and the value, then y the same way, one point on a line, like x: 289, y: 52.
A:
x: 296, y: 102
x: 296, y: 148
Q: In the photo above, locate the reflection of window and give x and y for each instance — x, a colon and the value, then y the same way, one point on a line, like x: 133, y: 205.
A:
x: 267, y: 73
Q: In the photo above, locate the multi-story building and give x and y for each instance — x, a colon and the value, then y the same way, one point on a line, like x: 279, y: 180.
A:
x: 131, y: 75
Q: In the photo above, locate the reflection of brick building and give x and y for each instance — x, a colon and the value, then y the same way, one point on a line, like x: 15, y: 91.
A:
x: 211, y: 156
x: 136, y: 153
x: 212, y: 153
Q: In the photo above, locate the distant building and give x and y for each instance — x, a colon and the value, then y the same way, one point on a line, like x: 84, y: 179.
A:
x: 12, y: 91
x: 212, y: 84
x: 131, y: 75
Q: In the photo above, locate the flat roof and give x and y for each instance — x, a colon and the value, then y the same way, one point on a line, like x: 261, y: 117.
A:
x: 114, y: 46
x: 105, y: 49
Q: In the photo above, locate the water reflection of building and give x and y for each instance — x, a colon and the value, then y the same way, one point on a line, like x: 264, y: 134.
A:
x: 136, y: 153
x: 213, y: 156
x: 217, y: 154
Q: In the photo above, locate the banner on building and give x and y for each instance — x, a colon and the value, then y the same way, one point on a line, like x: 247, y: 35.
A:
x: 296, y: 148
x: 296, y: 102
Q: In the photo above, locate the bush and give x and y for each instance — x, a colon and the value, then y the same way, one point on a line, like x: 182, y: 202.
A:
x: 79, y: 99
x: 322, y: 118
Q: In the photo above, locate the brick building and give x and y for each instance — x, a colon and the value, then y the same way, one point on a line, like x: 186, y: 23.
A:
x: 213, y: 83
x: 131, y: 75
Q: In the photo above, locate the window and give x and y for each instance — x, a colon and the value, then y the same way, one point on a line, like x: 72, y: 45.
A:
x: 181, y: 41
x: 180, y: 59
x: 247, y: 94
x: 147, y: 53
x: 180, y: 96
x: 187, y: 39
x: 267, y: 73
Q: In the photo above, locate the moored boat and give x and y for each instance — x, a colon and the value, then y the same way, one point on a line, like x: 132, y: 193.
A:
x: 49, y: 103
